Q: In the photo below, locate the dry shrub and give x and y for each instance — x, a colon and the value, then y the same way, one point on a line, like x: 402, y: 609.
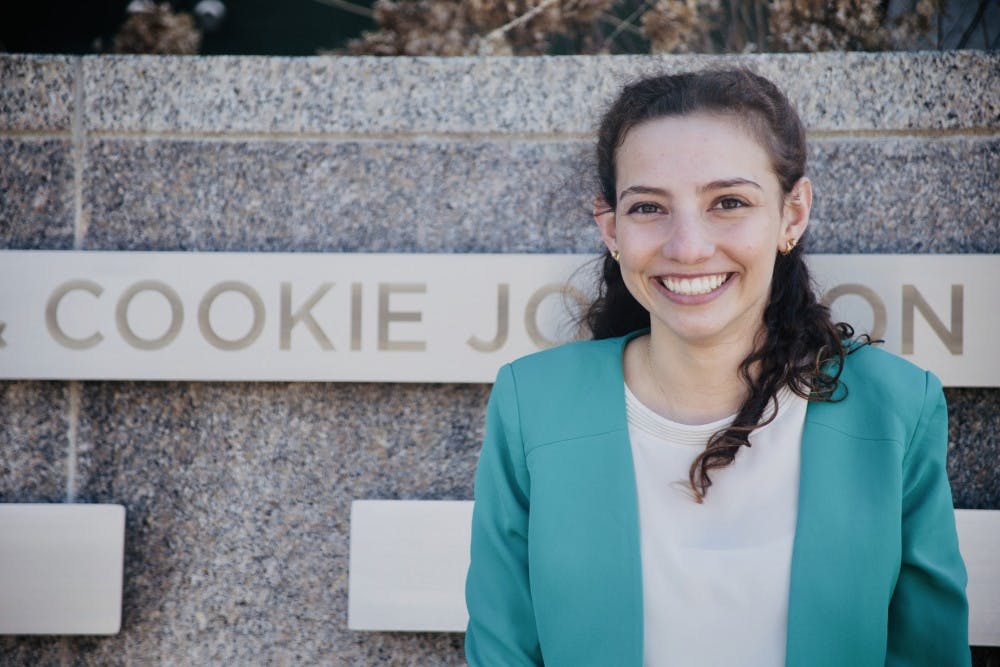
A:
x: 159, y: 31
x: 525, y: 27
x: 727, y: 26
x: 682, y: 26
x: 466, y: 27
x: 844, y: 25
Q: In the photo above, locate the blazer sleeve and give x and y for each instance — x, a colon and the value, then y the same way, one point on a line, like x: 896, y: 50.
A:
x: 501, y: 628
x: 928, y: 614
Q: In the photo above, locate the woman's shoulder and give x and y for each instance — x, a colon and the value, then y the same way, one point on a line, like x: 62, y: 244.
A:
x: 567, y: 391
x: 884, y: 371
x: 881, y: 393
x: 562, y: 372
x: 570, y: 356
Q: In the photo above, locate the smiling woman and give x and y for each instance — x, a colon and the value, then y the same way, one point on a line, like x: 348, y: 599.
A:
x: 698, y: 222
x: 827, y: 536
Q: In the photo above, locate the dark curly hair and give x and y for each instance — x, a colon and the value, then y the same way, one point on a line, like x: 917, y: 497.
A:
x: 798, y: 338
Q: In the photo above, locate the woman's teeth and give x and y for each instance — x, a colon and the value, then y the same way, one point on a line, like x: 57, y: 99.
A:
x: 693, y: 286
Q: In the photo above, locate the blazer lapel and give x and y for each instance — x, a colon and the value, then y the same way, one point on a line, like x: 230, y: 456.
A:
x: 626, y: 525
x: 842, y: 568
x: 812, y: 588
x: 586, y: 577
x: 624, y: 528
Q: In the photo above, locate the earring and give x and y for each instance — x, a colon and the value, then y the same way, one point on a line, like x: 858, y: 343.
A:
x: 615, y: 255
x: 789, y: 245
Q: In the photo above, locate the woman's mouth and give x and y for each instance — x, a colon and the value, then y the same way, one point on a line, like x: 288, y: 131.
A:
x: 694, y: 286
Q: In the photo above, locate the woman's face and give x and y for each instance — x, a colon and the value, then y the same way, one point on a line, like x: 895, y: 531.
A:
x: 699, y: 221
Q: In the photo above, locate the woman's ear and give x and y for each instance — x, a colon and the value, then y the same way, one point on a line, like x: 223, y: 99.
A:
x: 604, y: 216
x: 795, y: 214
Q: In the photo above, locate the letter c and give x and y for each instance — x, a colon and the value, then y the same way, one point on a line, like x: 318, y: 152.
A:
x: 52, y: 309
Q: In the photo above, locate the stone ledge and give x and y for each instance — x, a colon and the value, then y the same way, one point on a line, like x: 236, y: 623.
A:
x: 840, y: 92
x: 36, y: 92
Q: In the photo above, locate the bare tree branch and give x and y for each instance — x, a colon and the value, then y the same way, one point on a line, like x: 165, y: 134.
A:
x: 620, y: 26
x: 646, y: 4
x: 972, y: 26
x: 346, y: 6
x: 523, y: 18
x: 986, y: 33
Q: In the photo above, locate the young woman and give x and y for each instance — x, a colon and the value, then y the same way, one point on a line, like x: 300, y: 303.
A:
x: 723, y: 476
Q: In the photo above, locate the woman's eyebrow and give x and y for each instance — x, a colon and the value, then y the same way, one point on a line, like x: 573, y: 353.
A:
x: 714, y: 185
x: 642, y: 190
x: 728, y: 183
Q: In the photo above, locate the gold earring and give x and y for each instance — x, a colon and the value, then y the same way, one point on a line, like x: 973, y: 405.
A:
x: 789, y: 245
x: 615, y: 255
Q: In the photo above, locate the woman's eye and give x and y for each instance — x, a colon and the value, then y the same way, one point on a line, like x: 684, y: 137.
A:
x: 645, y: 208
x: 730, y: 203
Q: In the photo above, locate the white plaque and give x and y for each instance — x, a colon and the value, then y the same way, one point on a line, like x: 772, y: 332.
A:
x: 61, y: 569
x: 407, y: 565
x: 411, y: 317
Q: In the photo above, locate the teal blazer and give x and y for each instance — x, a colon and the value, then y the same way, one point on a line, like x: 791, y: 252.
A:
x: 555, y: 574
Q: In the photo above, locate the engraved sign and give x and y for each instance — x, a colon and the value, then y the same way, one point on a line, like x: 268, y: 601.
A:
x: 412, y: 317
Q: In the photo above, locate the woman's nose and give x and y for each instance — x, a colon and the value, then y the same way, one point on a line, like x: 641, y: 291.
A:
x: 688, y: 241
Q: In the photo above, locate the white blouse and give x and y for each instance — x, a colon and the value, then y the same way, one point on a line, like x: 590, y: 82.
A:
x: 716, y: 575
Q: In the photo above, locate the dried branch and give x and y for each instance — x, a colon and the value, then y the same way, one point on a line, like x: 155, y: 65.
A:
x: 520, y: 20
x: 346, y: 6
x: 967, y: 35
x: 646, y: 4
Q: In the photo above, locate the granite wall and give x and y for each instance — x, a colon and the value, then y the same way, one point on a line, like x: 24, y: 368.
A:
x: 238, y: 494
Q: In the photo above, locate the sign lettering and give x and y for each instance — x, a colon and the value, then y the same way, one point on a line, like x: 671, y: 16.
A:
x: 421, y: 318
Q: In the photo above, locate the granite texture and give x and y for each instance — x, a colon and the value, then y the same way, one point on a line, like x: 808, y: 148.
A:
x: 974, y: 447
x: 906, y: 195
x: 539, y: 96
x: 238, y: 500
x: 36, y: 92
x: 375, y: 196
x: 36, y: 193
x: 912, y: 195
x: 33, y: 439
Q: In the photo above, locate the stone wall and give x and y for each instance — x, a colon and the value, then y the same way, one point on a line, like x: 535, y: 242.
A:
x: 238, y: 494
